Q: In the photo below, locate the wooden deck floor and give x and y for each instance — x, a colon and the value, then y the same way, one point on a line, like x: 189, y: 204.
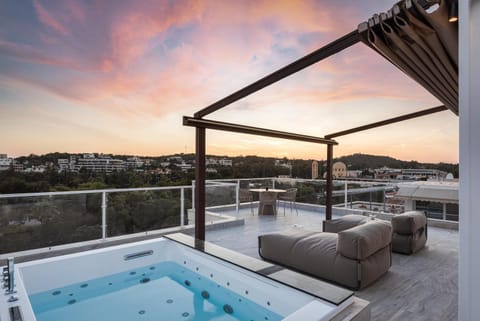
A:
x: 417, y: 287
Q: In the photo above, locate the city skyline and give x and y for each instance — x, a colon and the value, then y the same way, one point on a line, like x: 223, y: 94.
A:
x: 92, y: 77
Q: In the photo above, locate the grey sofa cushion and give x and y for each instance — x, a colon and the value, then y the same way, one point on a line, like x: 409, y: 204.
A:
x: 317, y: 253
x: 361, y: 241
x: 343, y: 223
x: 408, y: 222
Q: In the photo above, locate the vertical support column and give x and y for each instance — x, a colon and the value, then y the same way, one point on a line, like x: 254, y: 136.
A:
x: 469, y: 218
x: 104, y: 215
x: 182, y: 207
x: 444, y: 211
x: 200, y: 183
x: 329, y: 182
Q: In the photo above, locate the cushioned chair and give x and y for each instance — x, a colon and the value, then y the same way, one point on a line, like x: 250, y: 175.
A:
x: 409, y: 232
x: 290, y: 196
x: 245, y: 195
x: 267, y: 199
x: 354, y: 257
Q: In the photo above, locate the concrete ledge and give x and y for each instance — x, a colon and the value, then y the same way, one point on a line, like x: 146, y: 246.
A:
x: 359, y: 310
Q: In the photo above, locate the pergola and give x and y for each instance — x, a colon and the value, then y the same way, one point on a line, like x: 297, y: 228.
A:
x: 419, y: 37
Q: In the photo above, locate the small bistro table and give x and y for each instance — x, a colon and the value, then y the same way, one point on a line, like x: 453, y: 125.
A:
x: 261, y: 209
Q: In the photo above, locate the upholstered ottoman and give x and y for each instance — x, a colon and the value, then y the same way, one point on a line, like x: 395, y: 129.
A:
x: 409, y: 232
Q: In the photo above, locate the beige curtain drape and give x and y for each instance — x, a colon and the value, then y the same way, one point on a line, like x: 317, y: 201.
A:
x: 421, y: 42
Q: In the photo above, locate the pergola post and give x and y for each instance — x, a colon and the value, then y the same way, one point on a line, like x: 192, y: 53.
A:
x: 200, y: 183
x: 329, y: 182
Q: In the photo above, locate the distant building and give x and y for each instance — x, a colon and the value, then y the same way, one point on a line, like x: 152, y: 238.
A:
x: 5, y: 162
x: 17, y: 166
x: 423, y: 173
x: 409, y: 174
x: 134, y: 163
x: 314, y: 169
x: 63, y: 165
x: 354, y: 173
x: 281, y: 163
x: 35, y: 169
x: 339, y: 169
x: 184, y: 166
x: 225, y: 162
x: 438, y: 199
x: 103, y: 164
x: 211, y: 161
x: 387, y: 173
x: 218, y: 162
x: 175, y: 159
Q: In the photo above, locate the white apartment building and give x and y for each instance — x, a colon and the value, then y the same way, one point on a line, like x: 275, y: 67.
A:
x: 105, y: 164
x: 437, y: 198
x: 5, y: 162
x: 134, y: 163
x: 225, y: 162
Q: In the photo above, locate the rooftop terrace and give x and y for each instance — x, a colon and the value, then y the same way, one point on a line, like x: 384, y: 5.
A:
x: 422, y: 286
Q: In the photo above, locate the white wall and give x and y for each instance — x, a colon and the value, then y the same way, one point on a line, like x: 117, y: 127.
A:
x: 469, y: 258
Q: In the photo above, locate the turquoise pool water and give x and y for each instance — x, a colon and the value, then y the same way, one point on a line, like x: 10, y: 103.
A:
x: 165, y: 291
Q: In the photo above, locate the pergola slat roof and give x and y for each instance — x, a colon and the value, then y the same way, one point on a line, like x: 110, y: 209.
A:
x: 415, y: 36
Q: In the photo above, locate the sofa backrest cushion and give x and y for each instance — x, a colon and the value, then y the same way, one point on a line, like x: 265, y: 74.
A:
x: 343, y: 223
x: 361, y: 241
x: 408, y: 222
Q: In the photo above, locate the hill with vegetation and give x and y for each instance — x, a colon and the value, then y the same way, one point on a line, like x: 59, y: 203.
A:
x: 365, y: 161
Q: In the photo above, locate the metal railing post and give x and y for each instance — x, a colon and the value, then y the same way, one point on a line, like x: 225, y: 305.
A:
x: 104, y: 215
x: 346, y: 195
x: 193, y: 195
x: 237, y: 198
x: 273, y: 183
x: 182, y: 207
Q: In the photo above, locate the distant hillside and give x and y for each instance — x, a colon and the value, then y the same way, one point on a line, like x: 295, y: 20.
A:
x: 364, y: 161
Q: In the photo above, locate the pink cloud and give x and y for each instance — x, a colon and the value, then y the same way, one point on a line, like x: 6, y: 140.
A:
x: 34, y: 55
x: 132, y: 34
x: 48, y: 19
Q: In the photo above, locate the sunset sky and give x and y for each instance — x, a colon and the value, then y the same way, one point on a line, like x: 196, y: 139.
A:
x: 117, y: 76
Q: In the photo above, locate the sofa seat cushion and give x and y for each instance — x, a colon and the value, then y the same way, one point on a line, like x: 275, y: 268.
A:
x: 408, y: 222
x: 361, y: 241
x: 311, y: 252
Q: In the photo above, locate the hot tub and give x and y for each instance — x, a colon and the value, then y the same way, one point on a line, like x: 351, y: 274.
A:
x: 158, y: 279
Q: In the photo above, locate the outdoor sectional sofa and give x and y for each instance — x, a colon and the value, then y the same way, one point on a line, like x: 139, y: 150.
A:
x: 354, y: 257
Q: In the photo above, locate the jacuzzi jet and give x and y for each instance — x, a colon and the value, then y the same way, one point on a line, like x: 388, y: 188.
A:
x: 205, y: 294
x: 187, y: 283
x: 228, y: 309
x: 145, y: 280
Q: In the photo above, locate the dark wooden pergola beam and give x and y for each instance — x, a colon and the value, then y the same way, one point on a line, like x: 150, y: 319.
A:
x: 236, y: 128
x: 326, y: 51
x: 388, y: 121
